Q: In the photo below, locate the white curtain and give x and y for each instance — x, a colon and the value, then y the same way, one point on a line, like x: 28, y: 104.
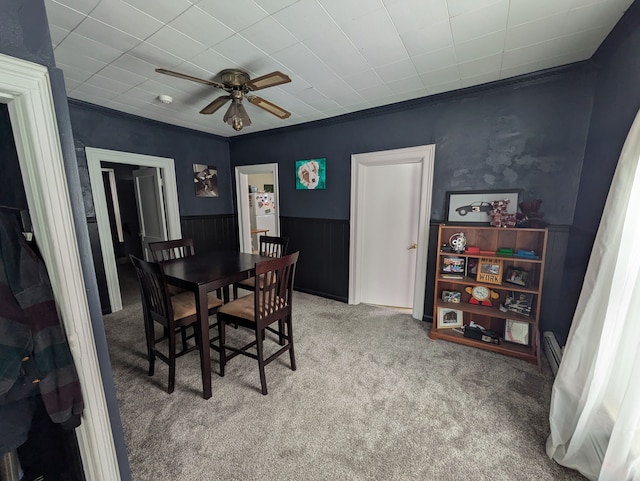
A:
x: 595, y: 403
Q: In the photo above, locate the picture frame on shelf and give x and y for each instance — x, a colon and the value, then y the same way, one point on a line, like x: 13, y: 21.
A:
x: 449, y: 318
x: 472, y: 207
x: 490, y: 270
x: 517, y: 276
x: 516, y: 331
x: 453, y: 266
x: 519, y: 302
x: 453, y: 297
x: 472, y: 266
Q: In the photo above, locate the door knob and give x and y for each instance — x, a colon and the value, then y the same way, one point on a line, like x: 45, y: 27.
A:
x: 413, y: 246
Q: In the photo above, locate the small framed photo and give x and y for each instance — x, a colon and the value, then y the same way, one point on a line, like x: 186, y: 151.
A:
x: 453, y: 265
x: 205, y: 179
x: 449, y: 318
x: 451, y: 296
x: 519, y: 302
x: 517, y: 276
x: 472, y: 266
x: 516, y: 331
x: 311, y: 174
x: 473, y: 206
x: 489, y: 271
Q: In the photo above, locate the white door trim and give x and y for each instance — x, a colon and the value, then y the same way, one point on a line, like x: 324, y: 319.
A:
x: 242, y: 204
x: 94, y: 157
x: 425, y: 155
x: 25, y: 87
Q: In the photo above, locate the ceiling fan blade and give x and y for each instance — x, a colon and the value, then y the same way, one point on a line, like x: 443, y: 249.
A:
x: 269, y: 107
x: 189, y: 77
x: 216, y: 104
x: 269, y: 80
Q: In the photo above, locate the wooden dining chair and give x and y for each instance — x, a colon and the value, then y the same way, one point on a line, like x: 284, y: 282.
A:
x: 173, y: 313
x: 270, y: 246
x: 271, y: 303
x: 171, y: 249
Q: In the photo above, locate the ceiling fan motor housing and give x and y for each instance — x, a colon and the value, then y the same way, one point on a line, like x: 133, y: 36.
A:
x: 234, y: 78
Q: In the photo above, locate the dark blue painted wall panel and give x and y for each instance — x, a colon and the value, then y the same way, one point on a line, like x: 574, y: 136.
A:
x: 24, y: 31
x: 521, y: 134
x: 106, y: 129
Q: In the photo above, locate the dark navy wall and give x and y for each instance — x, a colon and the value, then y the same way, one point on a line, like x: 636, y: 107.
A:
x: 526, y: 134
x: 107, y: 129
x: 616, y: 103
x: 9, y: 165
x: 24, y: 34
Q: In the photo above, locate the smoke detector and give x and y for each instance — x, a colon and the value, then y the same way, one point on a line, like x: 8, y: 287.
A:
x: 165, y: 99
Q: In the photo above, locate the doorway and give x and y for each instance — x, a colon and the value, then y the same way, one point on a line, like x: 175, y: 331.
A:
x: 171, y: 210
x: 388, y: 266
x: 261, y: 177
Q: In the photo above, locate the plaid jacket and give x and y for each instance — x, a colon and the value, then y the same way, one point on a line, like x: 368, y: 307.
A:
x: 34, y: 351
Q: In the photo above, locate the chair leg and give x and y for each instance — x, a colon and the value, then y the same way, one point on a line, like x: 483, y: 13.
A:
x: 235, y: 291
x: 150, y: 335
x: 263, y: 380
x: 172, y: 362
x: 183, y: 335
x: 292, y: 355
x: 281, y: 333
x: 223, y: 354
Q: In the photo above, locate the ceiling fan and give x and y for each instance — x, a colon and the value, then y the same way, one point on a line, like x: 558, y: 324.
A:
x: 238, y: 84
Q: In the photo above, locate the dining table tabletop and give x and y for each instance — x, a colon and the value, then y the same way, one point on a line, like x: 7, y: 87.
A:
x: 204, y: 273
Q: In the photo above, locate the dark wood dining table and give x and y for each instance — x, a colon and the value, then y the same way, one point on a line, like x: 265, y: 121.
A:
x: 204, y: 273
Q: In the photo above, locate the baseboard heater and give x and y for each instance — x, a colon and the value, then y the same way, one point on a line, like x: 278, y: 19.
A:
x: 552, y: 350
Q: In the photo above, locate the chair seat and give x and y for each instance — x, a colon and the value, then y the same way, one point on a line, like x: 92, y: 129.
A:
x: 249, y: 283
x: 244, y: 308
x: 184, y: 304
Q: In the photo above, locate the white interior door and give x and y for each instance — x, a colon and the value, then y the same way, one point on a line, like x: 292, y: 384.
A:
x: 390, y: 229
x: 150, y: 202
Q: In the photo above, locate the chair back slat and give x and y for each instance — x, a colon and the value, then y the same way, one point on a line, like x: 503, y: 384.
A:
x: 271, y: 246
x: 172, y: 249
x: 153, y: 288
x: 274, y: 287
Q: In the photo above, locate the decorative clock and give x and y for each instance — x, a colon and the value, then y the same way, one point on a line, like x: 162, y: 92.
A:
x: 481, y: 295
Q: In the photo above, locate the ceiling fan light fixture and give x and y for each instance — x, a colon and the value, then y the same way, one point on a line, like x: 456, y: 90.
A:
x: 236, y: 115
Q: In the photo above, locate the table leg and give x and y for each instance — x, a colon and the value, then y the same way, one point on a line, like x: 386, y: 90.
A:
x: 205, y: 354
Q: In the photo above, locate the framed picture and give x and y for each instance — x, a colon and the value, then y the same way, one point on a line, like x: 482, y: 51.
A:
x: 205, y: 179
x: 517, y: 276
x: 472, y: 266
x: 473, y: 206
x: 516, y: 331
x: 311, y: 174
x: 448, y: 318
x: 519, y: 302
x: 489, y: 271
x: 451, y: 296
x: 453, y: 265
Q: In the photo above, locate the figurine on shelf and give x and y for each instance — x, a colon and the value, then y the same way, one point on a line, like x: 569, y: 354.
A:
x: 499, y: 215
x: 530, y: 215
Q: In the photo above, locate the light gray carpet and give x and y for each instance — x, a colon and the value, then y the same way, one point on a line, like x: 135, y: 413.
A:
x: 373, y: 398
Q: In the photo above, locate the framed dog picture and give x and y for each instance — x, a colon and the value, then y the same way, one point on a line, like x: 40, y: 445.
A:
x: 311, y: 174
x: 205, y: 178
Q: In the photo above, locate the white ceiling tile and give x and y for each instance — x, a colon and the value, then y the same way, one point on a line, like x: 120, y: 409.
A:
x: 70, y: 83
x: 436, y: 60
x: 590, y: 16
x: 211, y: 61
x: 304, y: 19
x: 124, y: 76
x: 82, y: 6
x: 99, y: 92
x: 57, y: 34
x: 201, y: 26
x: 337, y: 52
x: 537, y: 31
x: 163, y: 10
x: 90, y: 48
x: 109, y: 84
x: 544, y: 64
x: 443, y: 76
x: 126, y: 18
x: 134, y: 66
x: 316, y: 99
x: 175, y: 42
x: 480, y: 66
x: 396, y: 71
x: 160, y: 86
x: 416, y: 15
x: 344, y: 12
x: 240, y: 52
x: 75, y: 73
x: 273, y: 6
x: 340, y: 91
x: 409, y: 84
x: 307, y: 65
x: 481, y: 22
x: 524, y: 11
x: 269, y: 36
x: 376, y: 92
x: 460, y: 7
x: 62, y: 16
x: 481, y: 47
x: 236, y: 14
x: 67, y: 57
x: 480, y: 79
x: 106, y: 34
x: 368, y: 78
x: 429, y: 39
x: 445, y: 87
x: 155, y: 56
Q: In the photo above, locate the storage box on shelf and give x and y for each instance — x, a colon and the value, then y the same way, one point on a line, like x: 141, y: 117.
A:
x: 507, y: 297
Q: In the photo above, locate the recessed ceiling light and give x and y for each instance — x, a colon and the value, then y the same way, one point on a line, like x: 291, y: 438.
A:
x: 165, y: 99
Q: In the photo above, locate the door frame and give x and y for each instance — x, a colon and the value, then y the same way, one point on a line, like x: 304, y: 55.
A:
x: 424, y: 155
x: 172, y: 211
x: 242, y: 173
x: 26, y: 89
